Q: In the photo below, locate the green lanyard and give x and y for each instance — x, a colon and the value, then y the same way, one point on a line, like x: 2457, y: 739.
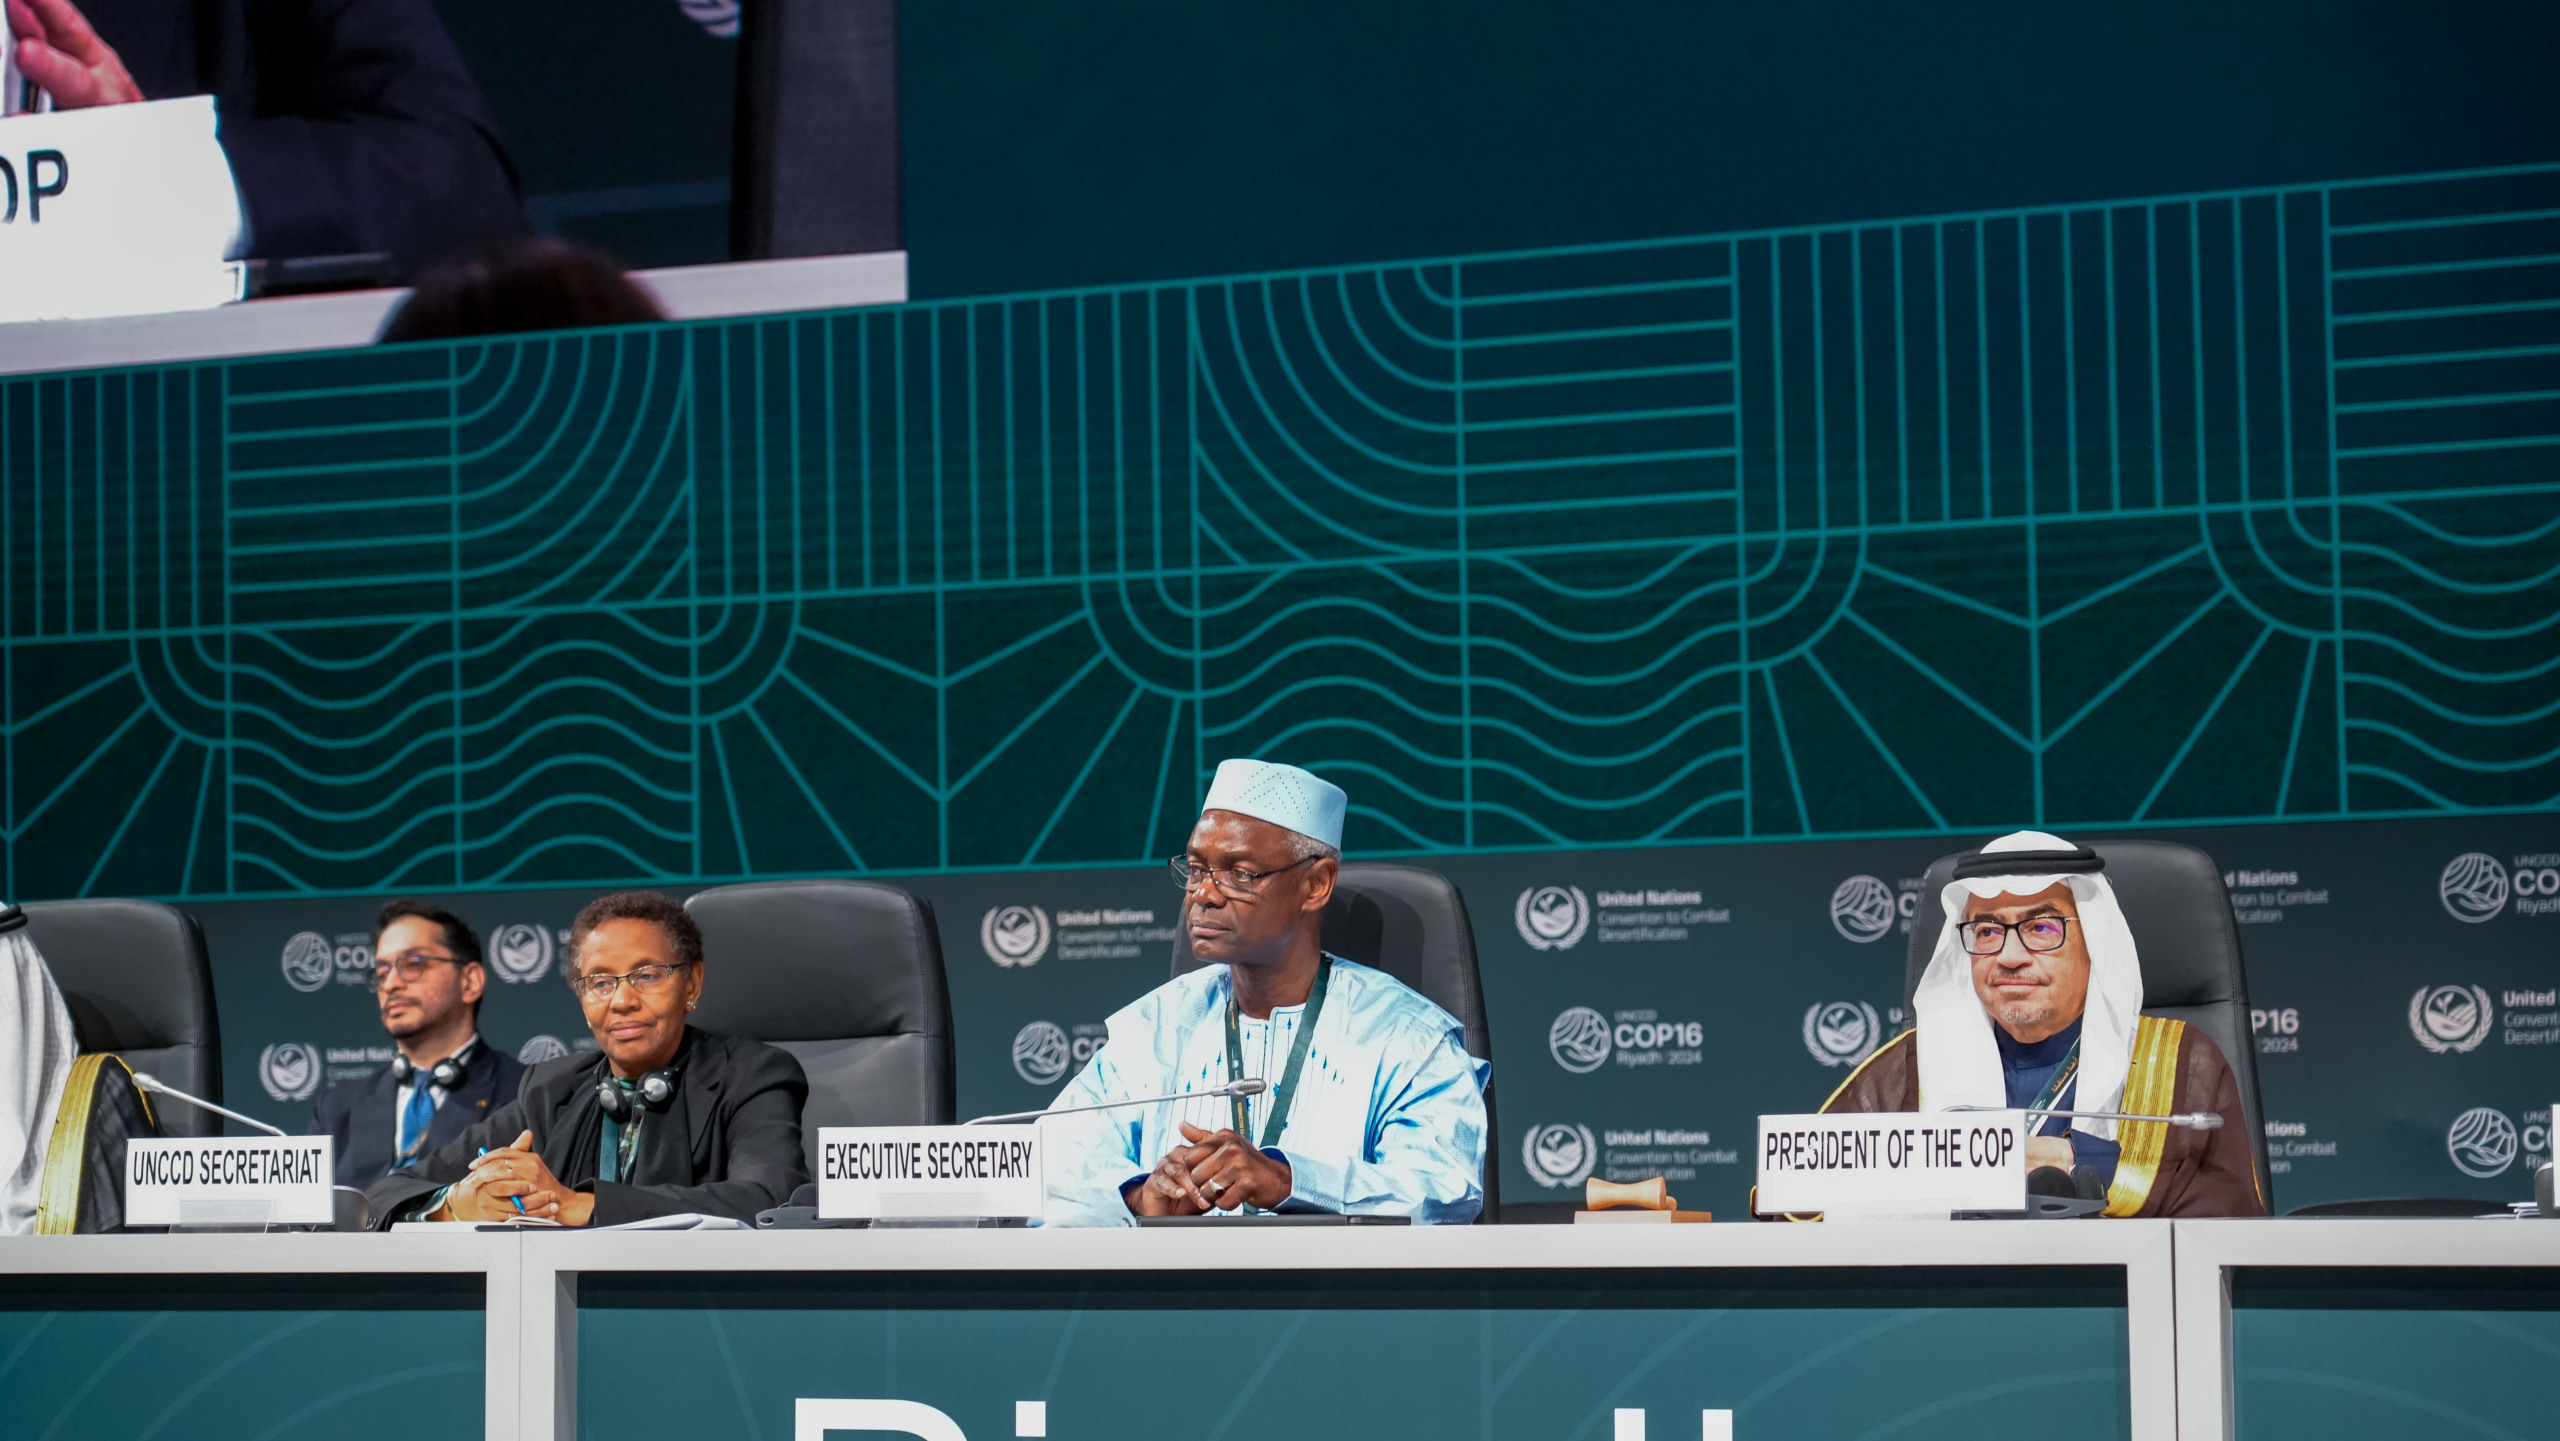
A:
x: 2054, y: 1086
x: 613, y: 1158
x: 1278, y: 1120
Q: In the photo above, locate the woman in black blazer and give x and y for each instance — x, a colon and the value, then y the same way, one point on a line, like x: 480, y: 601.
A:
x: 661, y: 1119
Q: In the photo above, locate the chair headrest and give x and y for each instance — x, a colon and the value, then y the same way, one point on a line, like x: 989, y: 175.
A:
x: 133, y: 973
x: 819, y: 960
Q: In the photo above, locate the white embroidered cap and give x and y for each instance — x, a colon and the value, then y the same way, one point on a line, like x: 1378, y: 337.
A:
x: 1283, y: 795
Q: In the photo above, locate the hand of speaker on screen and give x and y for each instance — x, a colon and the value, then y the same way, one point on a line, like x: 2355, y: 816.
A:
x: 62, y: 55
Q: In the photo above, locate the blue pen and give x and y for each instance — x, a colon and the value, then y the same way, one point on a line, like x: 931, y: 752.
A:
x: 519, y: 1200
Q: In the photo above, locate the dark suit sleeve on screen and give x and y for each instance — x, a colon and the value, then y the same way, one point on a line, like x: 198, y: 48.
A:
x: 365, y: 133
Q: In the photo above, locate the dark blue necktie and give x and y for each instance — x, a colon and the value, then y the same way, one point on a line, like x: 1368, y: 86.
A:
x: 415, y: 1120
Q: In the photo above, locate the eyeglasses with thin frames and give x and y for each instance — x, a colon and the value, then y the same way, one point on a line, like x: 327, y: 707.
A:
x: 1235, y: 881
x: 648, y: 980
x: 410, y: 966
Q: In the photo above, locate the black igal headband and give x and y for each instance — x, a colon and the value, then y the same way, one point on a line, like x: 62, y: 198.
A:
x: 2078, y: 861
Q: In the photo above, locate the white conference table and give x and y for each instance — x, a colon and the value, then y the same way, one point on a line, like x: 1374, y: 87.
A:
x: 2176, y: 1294
x: 347, y: 319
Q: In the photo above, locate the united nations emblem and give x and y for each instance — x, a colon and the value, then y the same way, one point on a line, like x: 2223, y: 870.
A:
x: 289, y: 1070
x: 1040, y: 1053
x: 520, y: 952
x: 1014, y: 935
x: 2473, y: 887
x: 309, y: 961
x: 540, y: 1049
x: 1862, y: 909
x: 2451, y: 1018
x: 2482, y: 1142
x: 1841, y: 1033
x: 1579, y: 1040
x: 1552, y: 918
x: 1560, y: 1155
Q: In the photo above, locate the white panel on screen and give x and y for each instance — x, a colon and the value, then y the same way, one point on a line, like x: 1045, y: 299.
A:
x: 116, y: 210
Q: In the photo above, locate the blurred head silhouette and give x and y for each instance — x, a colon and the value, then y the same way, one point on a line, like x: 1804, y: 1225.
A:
x: 520, y: 285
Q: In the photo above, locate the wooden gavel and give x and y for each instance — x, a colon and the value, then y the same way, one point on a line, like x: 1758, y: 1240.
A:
x: 1599, y: 1195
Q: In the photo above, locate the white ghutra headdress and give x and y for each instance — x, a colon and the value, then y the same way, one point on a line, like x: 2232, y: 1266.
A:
x: 1959, y: 1060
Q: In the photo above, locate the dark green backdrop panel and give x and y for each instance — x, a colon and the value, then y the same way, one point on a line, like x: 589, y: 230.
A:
x: 2404, y: 1027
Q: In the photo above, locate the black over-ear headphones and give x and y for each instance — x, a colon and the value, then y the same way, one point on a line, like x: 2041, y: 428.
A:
x: 446, y: 1073
x: 654, y: 1091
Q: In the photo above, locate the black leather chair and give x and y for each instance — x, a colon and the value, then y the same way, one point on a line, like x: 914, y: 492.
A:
x: 845, y: 975
x: 2180, y: 913
x: 138, y: 982
x: 1411, y: 924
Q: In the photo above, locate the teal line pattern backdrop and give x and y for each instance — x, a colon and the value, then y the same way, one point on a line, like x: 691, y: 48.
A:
x: 2230, y: 507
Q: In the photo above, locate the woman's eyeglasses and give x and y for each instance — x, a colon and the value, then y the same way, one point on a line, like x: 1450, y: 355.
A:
x: 647, y: 980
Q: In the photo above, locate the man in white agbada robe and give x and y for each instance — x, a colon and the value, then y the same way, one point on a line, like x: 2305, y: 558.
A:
x: 1375, y: 1108
x: 37, y: 1049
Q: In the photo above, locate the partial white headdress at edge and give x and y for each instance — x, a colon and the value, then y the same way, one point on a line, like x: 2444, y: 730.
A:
x: 36, y: 1051
x: 1959, y: 1060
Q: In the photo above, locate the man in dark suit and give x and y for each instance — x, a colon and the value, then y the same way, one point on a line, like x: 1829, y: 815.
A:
x: 428, y: 979
x: 351, y: 126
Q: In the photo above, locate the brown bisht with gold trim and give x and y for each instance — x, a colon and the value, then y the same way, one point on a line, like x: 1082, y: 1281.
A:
x: 2163, y: 1170
x: 83, y: 1187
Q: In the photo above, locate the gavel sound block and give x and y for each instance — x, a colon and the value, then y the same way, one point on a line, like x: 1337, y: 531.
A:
x: 1637, y: 1203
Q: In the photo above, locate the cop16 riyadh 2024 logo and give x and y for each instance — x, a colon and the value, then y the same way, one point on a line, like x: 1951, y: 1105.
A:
x: 311, y: 960
x: 1865, y: 909
x: 2484, y: 1141
x: 1582, y: 1040
x: 1043, y: 1051
x: 2476, y: 886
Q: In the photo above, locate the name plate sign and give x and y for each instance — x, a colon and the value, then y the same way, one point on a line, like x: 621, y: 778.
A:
x: 952, y: 1172
x: 279, y: 1180
x: 1886, y: 1163
x: 116, y: 210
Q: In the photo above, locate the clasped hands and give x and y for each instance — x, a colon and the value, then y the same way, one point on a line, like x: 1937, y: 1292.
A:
x: 1218, y: 1171
x: 500, y: 1177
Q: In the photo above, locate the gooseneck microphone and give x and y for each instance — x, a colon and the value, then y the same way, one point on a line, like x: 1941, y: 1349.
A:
x: 1235, y: 1088
x: 153, y: 1083
x: 2192, y: 1120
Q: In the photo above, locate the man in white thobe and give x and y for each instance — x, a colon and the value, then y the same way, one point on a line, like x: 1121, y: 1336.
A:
x: 1374, y: 1106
